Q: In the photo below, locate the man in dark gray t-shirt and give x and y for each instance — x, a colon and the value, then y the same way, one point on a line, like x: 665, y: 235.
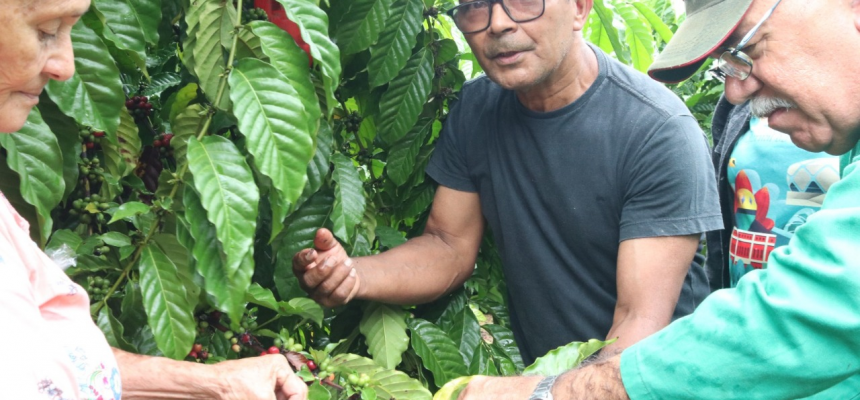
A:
x: 595, y: 181
x: 562, y: 189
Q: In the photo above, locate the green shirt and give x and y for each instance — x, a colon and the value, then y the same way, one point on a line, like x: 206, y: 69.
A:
x: 790, y: 331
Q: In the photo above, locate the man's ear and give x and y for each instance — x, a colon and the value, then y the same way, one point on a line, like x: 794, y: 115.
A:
x: 855, y: 10
x: 583, y: 8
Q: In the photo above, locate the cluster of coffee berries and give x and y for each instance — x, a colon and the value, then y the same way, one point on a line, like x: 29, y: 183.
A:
x: 199, y: 353
x: 91, y: 169
x: 237, y: 341
x: 89, y: 209
x: 89, y: 137
x: 352, y: 122
x: 254, y: 14
x: 139, y: 107
x: 97, y: 287
x: 162, y: 144
x: 358, y: 380
x: 289, y: 345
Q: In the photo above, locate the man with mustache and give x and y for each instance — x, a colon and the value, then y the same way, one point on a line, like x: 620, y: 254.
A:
x: 594, y: 180
x: 789, y: 331
x: 768, y: 188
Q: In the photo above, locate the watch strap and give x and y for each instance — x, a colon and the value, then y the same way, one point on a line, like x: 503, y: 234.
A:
x: 543, y: 390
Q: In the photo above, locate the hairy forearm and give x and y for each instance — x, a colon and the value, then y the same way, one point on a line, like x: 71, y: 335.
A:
x: 600, y: 380
x: 145, y: 377
x: 418, y: 271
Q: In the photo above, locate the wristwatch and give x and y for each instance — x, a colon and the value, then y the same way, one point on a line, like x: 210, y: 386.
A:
x: 543, y: 391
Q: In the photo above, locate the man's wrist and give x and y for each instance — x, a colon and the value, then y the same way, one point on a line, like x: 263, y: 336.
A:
x: 543, y: 390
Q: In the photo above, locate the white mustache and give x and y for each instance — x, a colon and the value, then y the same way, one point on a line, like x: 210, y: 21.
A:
x: 763, y: 106
x: 505, y: 46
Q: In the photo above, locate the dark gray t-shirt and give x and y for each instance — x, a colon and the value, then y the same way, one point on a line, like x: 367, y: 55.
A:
x: 560, y: 190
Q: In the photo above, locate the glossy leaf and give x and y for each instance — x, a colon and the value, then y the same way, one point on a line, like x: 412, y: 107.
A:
x: 162, y: 82
x: 276, y: 126
x: 259, y: 295
x: 655, y: 21
x: 126, y: 29
x: 384, y: 327
x: 360, y: 27
x: 66, y: 131
x: 164, y: 297
x: 605, y: 27
x: 463, y: 328
x: 186, y: 125
x: 180, y: 257
x: 389, y: 237
x: 504, y: 341
x: 122, y: 156
x: 92, y: 95
x: 481, y: 362
x: 349, y: 197
x: 208, y: 52
x: 313, y: 23
x: 249, y: 45
x: 133, y: 315
x: 228, y: 193
x: 638, y: 35
x: 318, y: 168
x: 303, y: 307
x: 33, y: 152
x: 401, y: 157
x: 452, y: 389
x: 64, y: 237
x: 391, y: 384
x: 228, y: 293
x: 389, y: 55
x: 291, y: 61
x: 565, y: 358
x: 129, y: 209
x: 113, y: 330
x: 401, y: 104
x: 438, y: 352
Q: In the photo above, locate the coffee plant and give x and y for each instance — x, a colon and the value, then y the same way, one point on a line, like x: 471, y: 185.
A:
x: 201, y: 143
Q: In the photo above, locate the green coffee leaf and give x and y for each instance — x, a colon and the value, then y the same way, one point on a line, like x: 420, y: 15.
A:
x: 439, y: 354
x: 389, y: 55
x: 129, y: 209
x: 349, y: 197
x: 164, y: 297
x: 35, y: 155
x: 228, y: 193
x: 276, y: 126
x: 384, y: 327
x: 402, y: 103
x: 313, y: 23
x: 360, y: 27
x: 565, y: 358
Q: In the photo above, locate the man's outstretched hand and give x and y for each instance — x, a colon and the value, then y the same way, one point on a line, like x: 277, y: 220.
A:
x: 325, y: 272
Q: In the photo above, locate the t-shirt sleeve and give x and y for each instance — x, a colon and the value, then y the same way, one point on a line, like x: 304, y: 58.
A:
x: 669, y: 185
x: 786, y: 332
x: 448, y: 165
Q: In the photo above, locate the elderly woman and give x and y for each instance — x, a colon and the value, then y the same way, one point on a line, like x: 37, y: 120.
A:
x: 53, y: 350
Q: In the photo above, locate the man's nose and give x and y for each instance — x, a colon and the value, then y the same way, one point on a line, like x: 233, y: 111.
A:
x: 500, y: 22
x: 739, y: 91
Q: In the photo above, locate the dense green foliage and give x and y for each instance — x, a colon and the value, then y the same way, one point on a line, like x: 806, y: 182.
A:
x: 196, y: 149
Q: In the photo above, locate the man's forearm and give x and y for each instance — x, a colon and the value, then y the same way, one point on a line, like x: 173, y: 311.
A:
x: 631, y: 329
x: 598, y: 381
x: 418, y: 271
x: 145, y: 377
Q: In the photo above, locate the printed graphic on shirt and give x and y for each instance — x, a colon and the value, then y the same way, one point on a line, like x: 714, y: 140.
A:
x: 777, y: 186
x: 50, y: 390
x: 95, y: 380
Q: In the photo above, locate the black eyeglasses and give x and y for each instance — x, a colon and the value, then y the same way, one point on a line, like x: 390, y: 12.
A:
x: 734, y: 62
x: 474, y: 16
